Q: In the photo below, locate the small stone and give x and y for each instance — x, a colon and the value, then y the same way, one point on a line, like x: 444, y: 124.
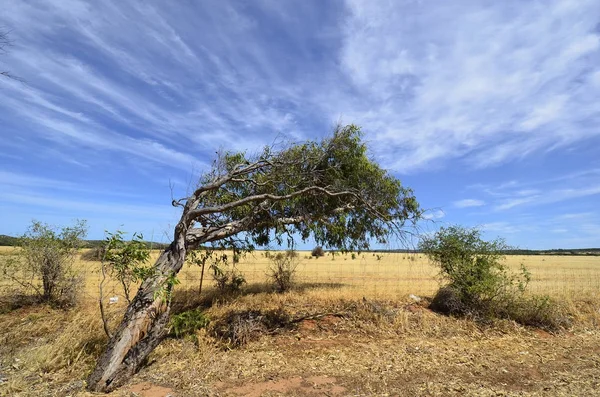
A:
x: 415, y: 298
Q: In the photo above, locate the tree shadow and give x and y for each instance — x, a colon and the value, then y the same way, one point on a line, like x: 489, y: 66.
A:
x: 10, y: 302
x: 189, y: 298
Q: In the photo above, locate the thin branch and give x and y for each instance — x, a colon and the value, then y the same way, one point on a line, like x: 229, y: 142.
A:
x: 101, y: 297
x: 239, y: 170
x: 266, y: 196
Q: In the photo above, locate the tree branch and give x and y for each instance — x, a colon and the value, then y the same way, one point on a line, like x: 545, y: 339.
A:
x: 194, y: 214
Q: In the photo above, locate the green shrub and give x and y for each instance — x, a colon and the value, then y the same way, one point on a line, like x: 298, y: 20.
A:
x: 187, y: 323
x: 476, y: 282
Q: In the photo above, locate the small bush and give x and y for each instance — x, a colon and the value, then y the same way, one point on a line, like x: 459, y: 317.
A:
x: 353, y: 256
x: 187, y: 323
x: 43, y: 267
x: 126, y: 261
x: 476, y: 282
x: 317, y: 252
x: 227, y: 278
x: 282, y: 270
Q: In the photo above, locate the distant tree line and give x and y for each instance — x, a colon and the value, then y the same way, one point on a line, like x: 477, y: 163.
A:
x: 10, y: 241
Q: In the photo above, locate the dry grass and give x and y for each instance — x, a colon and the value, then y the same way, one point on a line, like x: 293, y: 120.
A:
x: 384, y: 345
x: 359, y: 348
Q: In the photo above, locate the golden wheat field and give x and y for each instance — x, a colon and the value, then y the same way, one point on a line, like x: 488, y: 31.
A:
x: 379, y: 275
x: 354, y: 331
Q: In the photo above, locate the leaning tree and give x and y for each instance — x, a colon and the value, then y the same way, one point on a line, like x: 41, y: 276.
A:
x: 328, y: 190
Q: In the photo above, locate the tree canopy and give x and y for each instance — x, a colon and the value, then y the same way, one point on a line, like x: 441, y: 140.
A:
x: 330, y: 190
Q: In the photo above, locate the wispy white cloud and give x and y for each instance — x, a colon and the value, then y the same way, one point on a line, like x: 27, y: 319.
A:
x: 143, y: 70
x: 466, y: 203
x: 508, y: 195
x: 548, y: 197
x: 501, y: 228
x: 414, y: 74
x: 488, y: 83
x: 434, y: 214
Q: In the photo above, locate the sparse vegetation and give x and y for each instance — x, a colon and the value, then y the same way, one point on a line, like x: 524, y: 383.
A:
x: 54, y: 349
x: 283, y: 269
x: 238, y: 328
x: 43, y: 266
x: 227, y: 277
x: 126, y: 260
x: 94, y: 254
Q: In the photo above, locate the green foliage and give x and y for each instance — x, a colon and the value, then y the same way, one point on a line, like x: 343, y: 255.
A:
x: 282, y: 270
x: 187, y: 323
x: 44, y: 264
x: 333, y: 192
x: 165, y: 292
x: 126, y: 260
x: 353, y: 256
x: 477, y: 283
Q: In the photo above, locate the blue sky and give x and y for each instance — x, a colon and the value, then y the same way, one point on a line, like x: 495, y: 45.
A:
x: 488, y: 109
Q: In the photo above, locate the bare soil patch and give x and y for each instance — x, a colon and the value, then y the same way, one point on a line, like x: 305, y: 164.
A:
x: 313, y: 385
x: 146, y: 389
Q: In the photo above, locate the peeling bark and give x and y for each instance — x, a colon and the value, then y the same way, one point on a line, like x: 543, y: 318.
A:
x: 143, y: 326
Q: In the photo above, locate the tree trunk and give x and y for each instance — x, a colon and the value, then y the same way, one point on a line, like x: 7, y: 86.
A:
x: 143, y: 326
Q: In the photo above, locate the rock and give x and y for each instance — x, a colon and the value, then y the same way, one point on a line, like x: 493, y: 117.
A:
x: 415, y: 298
